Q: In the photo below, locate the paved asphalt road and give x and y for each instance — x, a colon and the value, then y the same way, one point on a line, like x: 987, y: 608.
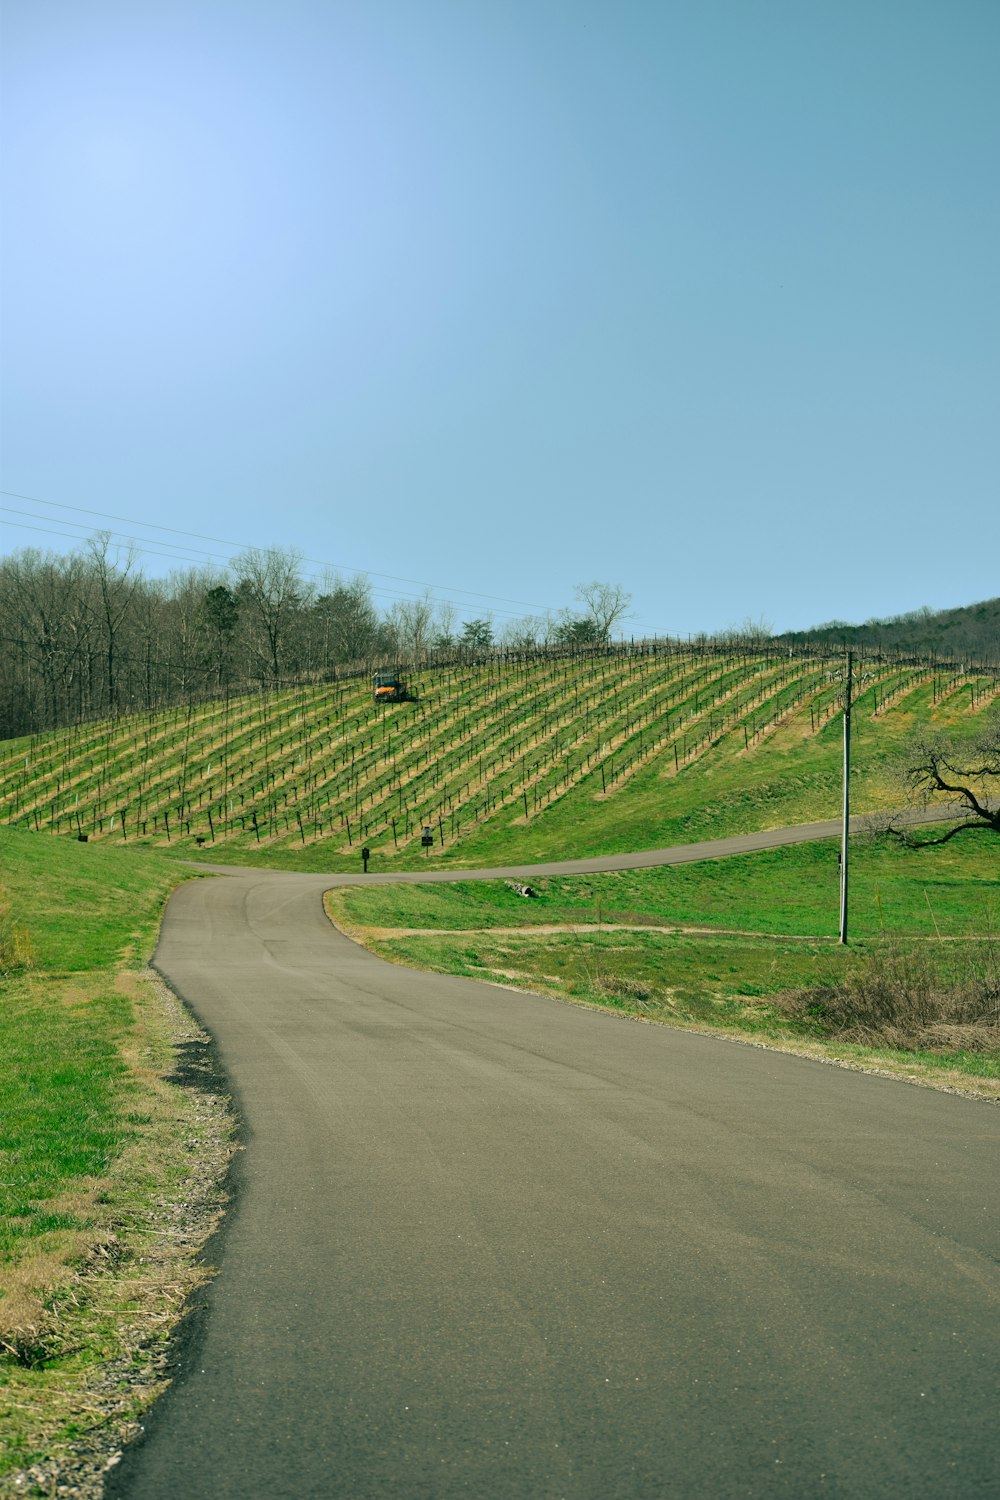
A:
x: 486, y: 1244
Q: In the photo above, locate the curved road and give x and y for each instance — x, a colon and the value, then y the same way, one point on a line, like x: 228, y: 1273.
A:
x: 486, y: 1244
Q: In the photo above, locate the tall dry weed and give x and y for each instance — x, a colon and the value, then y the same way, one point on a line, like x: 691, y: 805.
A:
x: 912, y: 996
x: 15, y: 942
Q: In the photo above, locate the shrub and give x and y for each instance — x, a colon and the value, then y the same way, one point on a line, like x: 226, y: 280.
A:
x: 637, y: 992
x: 915, y: 997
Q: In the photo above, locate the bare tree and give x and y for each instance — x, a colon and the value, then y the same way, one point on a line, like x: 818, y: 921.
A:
x: 173, y: 620
x: 116, y: 581
x: 46, y: 622
x: 348, y: 621
x: 605, y: 603
x: 270, y: 584
x: 444, y: 625
x: 749, y: 632
x: 529, y: 632
x: 967, y: 774
x: 411, y: 625
x: 87, y: 634
x: 147, y: 676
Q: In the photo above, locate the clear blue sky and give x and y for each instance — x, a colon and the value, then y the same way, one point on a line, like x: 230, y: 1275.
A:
x: 701, y: 298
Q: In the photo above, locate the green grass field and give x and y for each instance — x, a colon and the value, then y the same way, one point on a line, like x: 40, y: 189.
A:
x: 951, y: 888
x: 92, y: 1135
x: 64, y: 1086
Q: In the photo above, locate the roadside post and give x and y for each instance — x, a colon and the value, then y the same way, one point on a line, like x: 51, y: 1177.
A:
x: 427, y: 839
x: 365, y: 856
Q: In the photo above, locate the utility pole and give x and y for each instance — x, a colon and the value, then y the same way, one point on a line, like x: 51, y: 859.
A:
x: 848, y: 684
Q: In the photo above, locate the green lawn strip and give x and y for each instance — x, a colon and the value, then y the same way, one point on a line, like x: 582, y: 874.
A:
x: 948, y: 890
x: 87, y: 906
x: 64, y: 1100
x: 686, y: 979
x: 95, y: 1147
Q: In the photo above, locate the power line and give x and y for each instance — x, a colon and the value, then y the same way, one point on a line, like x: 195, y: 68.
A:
x: 142, y: 546
x: 243, y: 546
x: 177, y: 547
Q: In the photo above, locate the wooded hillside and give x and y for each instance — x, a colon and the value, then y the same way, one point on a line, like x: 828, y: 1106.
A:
x: 971, y: 631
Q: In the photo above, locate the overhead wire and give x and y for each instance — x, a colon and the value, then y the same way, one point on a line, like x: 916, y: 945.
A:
x: 244, y: 546
x: 201, y: 555
x: 197, y: 556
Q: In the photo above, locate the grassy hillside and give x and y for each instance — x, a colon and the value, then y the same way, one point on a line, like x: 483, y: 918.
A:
x: 510, y: 759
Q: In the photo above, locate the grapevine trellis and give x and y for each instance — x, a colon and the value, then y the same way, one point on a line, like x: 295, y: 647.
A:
x: 514, y: 734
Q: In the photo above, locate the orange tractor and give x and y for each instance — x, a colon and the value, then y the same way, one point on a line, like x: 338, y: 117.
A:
x: 390, y: 687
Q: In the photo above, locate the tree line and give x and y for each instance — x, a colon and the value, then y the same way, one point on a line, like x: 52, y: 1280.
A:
x: 88, y: 635
x: 971, y: 631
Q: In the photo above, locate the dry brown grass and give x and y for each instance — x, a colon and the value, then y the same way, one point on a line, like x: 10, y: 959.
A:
x: 905, y: 996
x: 26, y: 1288
x: 637, y: 992
x: 15, y: 941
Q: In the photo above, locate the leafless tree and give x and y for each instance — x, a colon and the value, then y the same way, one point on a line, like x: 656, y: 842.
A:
x: 45, y: 624
x: 605, y: 603
x: 86, y: 634
x: 269, y: 582
x: 965, y: 773
x: 348, y: 622
x: 175, y: 609
x: 528, y: 632
x: 749, y: 632
x: 116, y: 580
x: 444, y: 625
x: 411, y: 625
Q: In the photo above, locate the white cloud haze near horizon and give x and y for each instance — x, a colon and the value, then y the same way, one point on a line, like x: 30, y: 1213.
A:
x: 701, y: 299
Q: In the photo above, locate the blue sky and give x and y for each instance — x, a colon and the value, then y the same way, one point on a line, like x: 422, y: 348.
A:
x: 699, y: 298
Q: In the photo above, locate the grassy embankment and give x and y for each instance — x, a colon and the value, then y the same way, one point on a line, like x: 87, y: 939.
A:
x: 97, y: 1146
x: 751, y: 947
